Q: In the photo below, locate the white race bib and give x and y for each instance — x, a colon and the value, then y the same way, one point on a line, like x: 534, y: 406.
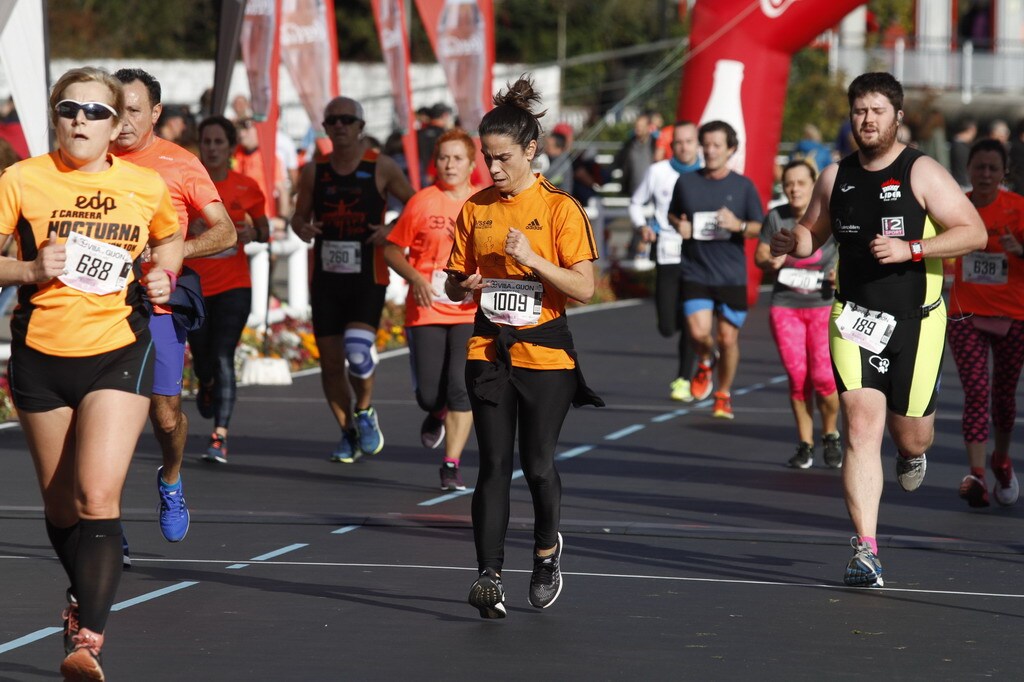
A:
x: 514, y: 302
x: 979, y: 267
x: 670, y: 247
x: 869, y: 329
x: 437, y: 280
x: 705, y: 227
x: 344, y: 258
x: 95, y: 267
x: 804, y: 280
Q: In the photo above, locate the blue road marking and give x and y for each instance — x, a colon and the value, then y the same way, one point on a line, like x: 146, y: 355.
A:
x: 235, y: 567
x: 343, y: 530
x: 28, y: 639
x: 444, y: 498
x: 622, y: 433
x: 153, y: 595
x: 575, y: 452
x: 669, y: 415
x: 279, y: 552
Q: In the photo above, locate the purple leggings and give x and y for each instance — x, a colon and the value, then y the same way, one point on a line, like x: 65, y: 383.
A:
x: 802, y: 337
x: 970, y: 352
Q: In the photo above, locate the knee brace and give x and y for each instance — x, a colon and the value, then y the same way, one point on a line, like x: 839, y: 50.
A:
x: 361, y: 352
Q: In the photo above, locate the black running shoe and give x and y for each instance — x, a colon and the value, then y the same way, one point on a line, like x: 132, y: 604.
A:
x: 833, y: 450
x: 804, y: 457
x: 546, y: 581
x: 487, y: 594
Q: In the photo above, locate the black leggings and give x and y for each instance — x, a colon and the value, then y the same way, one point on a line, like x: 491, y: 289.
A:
x: 668, y: 304
x: 437, y: 355
x: 538, y: 411
x: 213, y: 348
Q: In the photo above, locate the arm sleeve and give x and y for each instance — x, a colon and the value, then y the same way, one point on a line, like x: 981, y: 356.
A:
x: 405, y: 229
x: 754, y: 210
x: 10, y: 200
x: 199, y: 189
x: 676, y: 206
x: 640, y: 198
x: 574, y: 236
x: 462, y: 257
x: 164, y: 222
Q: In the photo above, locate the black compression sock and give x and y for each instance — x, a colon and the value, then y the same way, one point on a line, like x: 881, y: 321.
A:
x: 65, y: 543
x: 97, y: 571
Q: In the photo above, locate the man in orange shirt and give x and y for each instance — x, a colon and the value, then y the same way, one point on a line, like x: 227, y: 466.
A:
x: 190, y: 186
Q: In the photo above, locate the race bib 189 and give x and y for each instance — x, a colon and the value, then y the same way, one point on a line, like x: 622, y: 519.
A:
x: 801, y: 280
x: 344, y: 258
x: 513, y: 302
x: 979, y: 267
x: 95, y: 267
x: 670, y: 247
x: 705, y: 227
x: 869, y: 329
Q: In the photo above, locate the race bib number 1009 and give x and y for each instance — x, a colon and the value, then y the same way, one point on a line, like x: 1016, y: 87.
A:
x: 95, y: 267
x: 513, y: 302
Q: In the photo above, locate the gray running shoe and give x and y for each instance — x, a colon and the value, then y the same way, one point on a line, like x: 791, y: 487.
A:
x: 804, y: 457
x: 487, y: 594
x: 864, y: 569
x: 910, y: 471
x: 832, y: 450
x: 546, y: 581
x: 1006, y: 489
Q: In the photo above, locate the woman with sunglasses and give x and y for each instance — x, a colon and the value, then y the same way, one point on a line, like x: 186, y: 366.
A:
x: 81, y: 363
x: 438, y: 329
x: 523, y: 248
x: 227, y: 287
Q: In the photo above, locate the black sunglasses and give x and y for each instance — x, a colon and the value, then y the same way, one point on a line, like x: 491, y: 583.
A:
x: 94, y: 111
x: 344, y: 119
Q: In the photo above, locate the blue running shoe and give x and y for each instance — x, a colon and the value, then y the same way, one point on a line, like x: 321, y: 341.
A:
x: 371, y: 440
x: 864, y: 569
x: 174, y: 515
x: 347, y: 450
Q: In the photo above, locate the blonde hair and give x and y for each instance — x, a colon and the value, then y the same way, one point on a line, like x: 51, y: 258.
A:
x: 87, y: 74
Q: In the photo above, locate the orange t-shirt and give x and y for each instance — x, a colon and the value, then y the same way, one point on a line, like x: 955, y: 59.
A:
x: 999, y: 299
x: 123, y: 206
x: 251, y: 165
x: 189, y: 183
x: 427, y: 228
x: 228, y: 269
x: 558, y: 230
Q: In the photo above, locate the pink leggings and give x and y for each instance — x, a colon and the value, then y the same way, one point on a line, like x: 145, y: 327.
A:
x: 802, y: 337
x: 971, y: 348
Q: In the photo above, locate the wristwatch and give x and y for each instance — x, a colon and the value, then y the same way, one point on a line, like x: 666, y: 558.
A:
x: 916, y: 250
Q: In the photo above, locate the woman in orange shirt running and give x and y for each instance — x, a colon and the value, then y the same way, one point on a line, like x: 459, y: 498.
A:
x: 988, y: 294
x: 438, y: 329
x: 227, y: 287
x: 523, y: 247
x: 81, y: 366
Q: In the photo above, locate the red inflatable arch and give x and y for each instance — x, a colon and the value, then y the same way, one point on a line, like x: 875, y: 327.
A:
x: 740, y: 52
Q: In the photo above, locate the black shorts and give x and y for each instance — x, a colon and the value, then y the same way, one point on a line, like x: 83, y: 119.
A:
x: 336, y: 306
x: 41, y: 382
x: 732, y: 295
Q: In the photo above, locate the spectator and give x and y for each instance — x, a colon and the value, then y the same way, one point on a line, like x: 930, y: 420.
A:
x: 811, y: 148
x: 559, y: 167
x: 999, y: 130
x: 633, y: 159
x: 1015, y: 174
x: 426, y: 138
x: 932, y: 137
x: 960, y: 147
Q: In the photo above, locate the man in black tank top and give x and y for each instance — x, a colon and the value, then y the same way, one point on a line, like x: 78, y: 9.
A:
x: 895, y: 214
x: 340, y: 207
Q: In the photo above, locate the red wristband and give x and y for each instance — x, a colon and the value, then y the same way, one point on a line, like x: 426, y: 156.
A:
x: 174, y: 280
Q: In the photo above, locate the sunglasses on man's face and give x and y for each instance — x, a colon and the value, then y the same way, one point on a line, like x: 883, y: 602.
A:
x: 343, y: 119
x: 94, y: 111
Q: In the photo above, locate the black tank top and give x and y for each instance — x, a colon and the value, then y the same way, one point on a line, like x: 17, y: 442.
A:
x: 347, y: 205
x: 865, y: 204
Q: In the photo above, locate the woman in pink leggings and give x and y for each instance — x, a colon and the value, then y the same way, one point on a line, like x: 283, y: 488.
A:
x: 986, y: 315
x: 801, y: 301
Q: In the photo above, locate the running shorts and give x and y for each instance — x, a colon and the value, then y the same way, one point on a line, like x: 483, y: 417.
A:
x: 908, y: 368
x: 336, y: 307
x: 41, y: 382
x: 169, y: 342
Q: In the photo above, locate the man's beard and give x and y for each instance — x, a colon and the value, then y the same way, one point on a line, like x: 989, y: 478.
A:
x: 882, y: 144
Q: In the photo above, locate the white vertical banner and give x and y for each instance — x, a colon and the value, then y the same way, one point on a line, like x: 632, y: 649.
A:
x: 23, y: 51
